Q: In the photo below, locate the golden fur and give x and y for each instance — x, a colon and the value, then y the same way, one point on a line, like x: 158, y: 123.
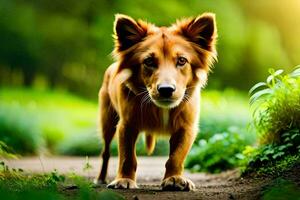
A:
x: 176, y: 59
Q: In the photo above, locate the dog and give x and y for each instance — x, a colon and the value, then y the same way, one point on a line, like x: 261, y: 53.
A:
x: 154, y: 88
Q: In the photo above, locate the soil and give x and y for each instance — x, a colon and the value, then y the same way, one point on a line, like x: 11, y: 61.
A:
x: 227, y: 185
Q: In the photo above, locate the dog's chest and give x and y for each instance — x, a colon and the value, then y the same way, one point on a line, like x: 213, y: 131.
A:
x: 165, y: 115
x: 155, y: 120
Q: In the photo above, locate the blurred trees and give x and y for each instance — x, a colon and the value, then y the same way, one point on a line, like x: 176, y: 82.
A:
x: 67, y: 43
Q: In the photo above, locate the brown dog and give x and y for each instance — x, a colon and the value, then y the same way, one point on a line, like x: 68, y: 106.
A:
x: 154, y: 87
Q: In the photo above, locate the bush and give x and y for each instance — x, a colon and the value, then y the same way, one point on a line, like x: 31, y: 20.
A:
x: 276, y: 105
x: 81, y: 145
x: 19, y: 130
x: 221, y: 152
x: 221, y: 110
x: 276, y: 117
x: 32, y: 121
x: 281, y: 189
x: 223, y: 132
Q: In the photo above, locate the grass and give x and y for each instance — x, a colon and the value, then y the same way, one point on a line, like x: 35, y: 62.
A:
x: 281, y: 189
x: 16, y: 184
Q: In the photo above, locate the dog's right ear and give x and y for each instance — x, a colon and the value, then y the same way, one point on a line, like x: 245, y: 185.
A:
x: 127, y: 32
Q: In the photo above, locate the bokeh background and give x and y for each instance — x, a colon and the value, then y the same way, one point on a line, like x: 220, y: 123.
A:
x: 53, y: 55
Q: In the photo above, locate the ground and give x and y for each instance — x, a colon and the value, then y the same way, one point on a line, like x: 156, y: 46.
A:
x: 227, y: 185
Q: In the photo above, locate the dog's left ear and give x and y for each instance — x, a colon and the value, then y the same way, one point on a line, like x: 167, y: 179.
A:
x: 128, y: 32
x: 201, y: 30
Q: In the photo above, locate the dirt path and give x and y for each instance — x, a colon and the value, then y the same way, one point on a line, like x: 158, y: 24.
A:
x: 150, y: 171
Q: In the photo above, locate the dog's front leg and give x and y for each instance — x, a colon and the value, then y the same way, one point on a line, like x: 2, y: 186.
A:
x: 127, y: 136
x: 180, y: 144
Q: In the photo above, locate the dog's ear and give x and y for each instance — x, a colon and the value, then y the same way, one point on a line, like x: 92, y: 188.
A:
x: 127, y: 32
x: 200, y: 30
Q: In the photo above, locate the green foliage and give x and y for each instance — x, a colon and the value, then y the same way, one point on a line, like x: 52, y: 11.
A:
x: 271, y: 153
x: 281, y: 189
x: 17, y: 185
x: 6, y: 151
x: 32, y: 121
x: 220, y: 152
x: 66, y: 44
x: 276, y: 117
x: 276, y: 106
x: 221, y: 110
x: 223, y: 132
x: 81, y: 145
x: 19, y: 131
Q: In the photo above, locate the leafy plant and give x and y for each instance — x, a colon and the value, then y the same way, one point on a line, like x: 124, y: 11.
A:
x: 6, y: 151
x: 276, y: 117
x: 276, y: 105
x: 18, y: 185
x: 221, y: 152
x: 281, y: 189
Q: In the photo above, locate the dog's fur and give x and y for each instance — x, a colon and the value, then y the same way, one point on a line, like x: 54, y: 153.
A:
x: 147, y: 56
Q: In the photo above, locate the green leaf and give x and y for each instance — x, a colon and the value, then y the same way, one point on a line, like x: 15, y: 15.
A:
x: 270, y: 78
x: 278, y: 72
x: 282, y: 147
x: 274, y: 75
x: 286, y: 134
x: 294, y: 135
x: 256, y: 96
x: 256, y: 86
x: 279, y: 154
x: 296, y: 72
x: 269, y: 151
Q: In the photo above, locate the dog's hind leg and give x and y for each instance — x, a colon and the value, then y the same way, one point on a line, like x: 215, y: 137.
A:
x: 108, y: 121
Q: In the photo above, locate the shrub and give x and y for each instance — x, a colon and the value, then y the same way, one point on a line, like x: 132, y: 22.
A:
x: 223, y: 132
x: 276, y: 106
x: 276, y: 117
x: 281, y: 189
x: 32, y: 121
x: 221, y: 152
x: 19, y: 130
x: 80, y: 145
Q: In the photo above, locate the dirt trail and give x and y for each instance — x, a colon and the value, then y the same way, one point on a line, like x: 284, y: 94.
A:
x: 150, y: 171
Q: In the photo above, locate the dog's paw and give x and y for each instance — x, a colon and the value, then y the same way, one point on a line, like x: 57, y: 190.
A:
x: 122, y: 183
x: 177, y: 183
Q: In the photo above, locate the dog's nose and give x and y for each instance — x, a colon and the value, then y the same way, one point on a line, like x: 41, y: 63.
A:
x: 165, y: 90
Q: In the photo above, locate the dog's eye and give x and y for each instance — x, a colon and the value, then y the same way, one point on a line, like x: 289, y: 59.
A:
x: 149, y: 62
x: 181, y: 61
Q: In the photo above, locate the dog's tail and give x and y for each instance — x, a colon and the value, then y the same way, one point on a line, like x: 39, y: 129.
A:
x: 150, y: 143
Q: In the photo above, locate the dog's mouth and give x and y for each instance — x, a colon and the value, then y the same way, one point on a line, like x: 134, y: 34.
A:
x: 166, y: 102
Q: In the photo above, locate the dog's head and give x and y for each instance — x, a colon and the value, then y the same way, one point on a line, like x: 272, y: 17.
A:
x: 167, y: 62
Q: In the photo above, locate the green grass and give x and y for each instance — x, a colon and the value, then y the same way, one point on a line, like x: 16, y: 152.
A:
x: 281, y: 189
x: 16, y: 185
